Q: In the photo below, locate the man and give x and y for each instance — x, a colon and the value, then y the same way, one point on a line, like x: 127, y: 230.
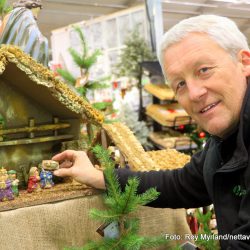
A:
x: 20, y: 28
x: 206, y: 61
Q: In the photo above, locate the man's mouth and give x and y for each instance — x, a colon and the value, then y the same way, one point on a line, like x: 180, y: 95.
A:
x: 209, y: 107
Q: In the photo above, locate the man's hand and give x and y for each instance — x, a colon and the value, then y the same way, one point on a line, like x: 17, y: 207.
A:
x: 76, y: 164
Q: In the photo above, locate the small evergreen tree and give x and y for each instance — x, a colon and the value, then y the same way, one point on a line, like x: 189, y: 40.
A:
x: 135, y: 52
x: 120, y: 204
x: 204, y: 229
x: 84, y: 60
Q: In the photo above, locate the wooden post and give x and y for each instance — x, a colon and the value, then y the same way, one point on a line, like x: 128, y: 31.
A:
x: 31, y: 124
x: 90, y: 131
x: 104, y: 140
x: 56, y: 120
x: 1, y: 127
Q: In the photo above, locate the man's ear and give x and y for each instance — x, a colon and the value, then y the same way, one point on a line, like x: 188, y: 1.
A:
x: 244, y: 59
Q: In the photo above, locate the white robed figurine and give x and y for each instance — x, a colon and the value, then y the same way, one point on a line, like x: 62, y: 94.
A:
x: 19, y: 28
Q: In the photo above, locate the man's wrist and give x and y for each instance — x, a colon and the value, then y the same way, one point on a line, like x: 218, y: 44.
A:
x: 99, y: 181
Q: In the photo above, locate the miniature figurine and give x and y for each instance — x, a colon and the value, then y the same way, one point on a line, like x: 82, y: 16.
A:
x: 5, y: 186
x: 50, y: 165
x: 14, y: 182
x: 115, y: 155
x: 33, y: 182
x: 30, y: 39
x: 46, y: 179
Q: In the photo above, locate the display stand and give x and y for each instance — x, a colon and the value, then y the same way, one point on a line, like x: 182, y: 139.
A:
x: 166, y: 114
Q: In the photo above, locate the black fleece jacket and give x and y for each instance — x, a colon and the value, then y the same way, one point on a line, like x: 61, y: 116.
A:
x: 212, y: 176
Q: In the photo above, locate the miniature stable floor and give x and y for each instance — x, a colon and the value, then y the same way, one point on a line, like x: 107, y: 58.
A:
x: 60, y: 192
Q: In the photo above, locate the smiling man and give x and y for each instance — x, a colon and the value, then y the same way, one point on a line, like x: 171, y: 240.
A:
x: 208, y: 83
x: 206, y: 60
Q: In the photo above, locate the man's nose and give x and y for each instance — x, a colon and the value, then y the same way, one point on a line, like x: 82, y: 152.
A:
x: 196, y: 90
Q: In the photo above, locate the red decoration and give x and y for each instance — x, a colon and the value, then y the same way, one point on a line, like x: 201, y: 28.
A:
x: 181, y: 127
x: 202, y: 135
x: 115, y: 85
x: 193, y: 224
x: 54, y: 67
x: 171, y: 110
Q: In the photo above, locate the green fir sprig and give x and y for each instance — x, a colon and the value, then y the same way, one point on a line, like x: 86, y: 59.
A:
x: 67, y: 76
x: 120, y: 204
x: 84, y: 60
x: 204, y: 229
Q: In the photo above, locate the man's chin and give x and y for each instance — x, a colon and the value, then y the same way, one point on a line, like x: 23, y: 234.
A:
x: 213, y: 129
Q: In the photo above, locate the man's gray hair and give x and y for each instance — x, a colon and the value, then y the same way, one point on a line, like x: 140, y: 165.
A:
x: 221, y: 29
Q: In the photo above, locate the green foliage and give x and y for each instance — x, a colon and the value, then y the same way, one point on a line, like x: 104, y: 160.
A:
x: 119, y: 206
x: 82, y: 91
x: 195, y: 136
x: 102, y: 105
x: 4, y: 8
x: 203, y: 220
x: 136, y: 51
x: 84, y: 60
x: 98, y: 85
x: 70, y: 79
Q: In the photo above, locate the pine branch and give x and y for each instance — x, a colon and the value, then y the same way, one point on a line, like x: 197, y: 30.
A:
x: 83, y: 41
x: 148, y: 196
x: 154, y: 241
x: 110, y: 201
x: 97, y: 85
x: 105, y: 244
x: 114, y: 189
x: 133, y: 242
x: 101, y: 105
x: 129, y: 200
x: 132, y: 225
x: 76, y: 58
x: 103, y: 156
x: 82, y: 91
x: 106, y: 216
x: 204, y: 220
x: 90, y: 60
x: 67, y: 76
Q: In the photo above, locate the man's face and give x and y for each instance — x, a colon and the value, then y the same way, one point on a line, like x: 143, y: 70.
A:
x: 209, y: 84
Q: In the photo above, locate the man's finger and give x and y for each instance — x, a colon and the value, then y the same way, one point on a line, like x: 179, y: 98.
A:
x: 67, y: 154
x: 66, y: 164
x: 63, y: 172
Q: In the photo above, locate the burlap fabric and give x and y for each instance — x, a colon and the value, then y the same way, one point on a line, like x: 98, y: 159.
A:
x: 67, y: 223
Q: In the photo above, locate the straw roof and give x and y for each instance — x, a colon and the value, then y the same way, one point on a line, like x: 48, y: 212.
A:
x: 42, y: 76
x: 138, y: 159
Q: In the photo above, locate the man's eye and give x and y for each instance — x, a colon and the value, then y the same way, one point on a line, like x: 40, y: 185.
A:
x: 204, y: 70
x: 180, y: 85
